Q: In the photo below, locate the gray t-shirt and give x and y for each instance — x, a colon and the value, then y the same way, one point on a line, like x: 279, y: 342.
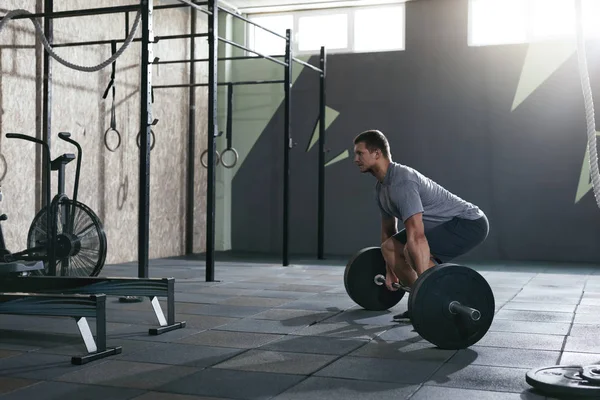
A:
x: 406, y: 192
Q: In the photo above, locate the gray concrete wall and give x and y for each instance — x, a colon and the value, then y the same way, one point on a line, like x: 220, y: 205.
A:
x: 78, y: 107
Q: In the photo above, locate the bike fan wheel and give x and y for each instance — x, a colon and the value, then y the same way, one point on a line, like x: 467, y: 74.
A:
x: 90, y: 254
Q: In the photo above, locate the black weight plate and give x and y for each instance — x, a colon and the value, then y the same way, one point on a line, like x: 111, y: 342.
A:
x: 562, y: 380
x: 417, y: 283
x: 431, y: 296
x: 360, y: 284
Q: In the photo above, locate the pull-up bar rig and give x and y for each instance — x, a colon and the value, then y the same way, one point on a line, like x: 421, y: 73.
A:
x: 147, y: 39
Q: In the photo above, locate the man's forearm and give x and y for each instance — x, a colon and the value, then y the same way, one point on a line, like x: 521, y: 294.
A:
x: 419, y: 254
x: 385, y: 235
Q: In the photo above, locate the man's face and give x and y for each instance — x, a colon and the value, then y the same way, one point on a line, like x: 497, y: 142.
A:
x: 364, y: 159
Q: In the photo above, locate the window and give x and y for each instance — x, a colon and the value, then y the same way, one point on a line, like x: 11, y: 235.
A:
x: 379, y: 29
x: 523, y: 21
x: 265, y: 42
x: 347, y: 30
x: 330, y: 30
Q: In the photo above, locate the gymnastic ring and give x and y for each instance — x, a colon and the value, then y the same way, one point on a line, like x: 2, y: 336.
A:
x: 205, y: 163
x: 4, y: 166
x: 152, y: 139
x: 106, y: 139
x: 235, y: 158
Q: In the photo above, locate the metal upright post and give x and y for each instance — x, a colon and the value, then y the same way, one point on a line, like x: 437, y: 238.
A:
x: 287, y: 145
x: 213, y: 34
x: 145, y: 127
x: 321, y: 195
x: 47, y: 105
x: 189, y: 227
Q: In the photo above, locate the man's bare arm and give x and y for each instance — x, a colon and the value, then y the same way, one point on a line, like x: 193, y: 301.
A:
x: 417, y: 246
x: 388, y: 227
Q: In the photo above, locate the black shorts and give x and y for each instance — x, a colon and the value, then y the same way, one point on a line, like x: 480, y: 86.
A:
x: 453, y: 238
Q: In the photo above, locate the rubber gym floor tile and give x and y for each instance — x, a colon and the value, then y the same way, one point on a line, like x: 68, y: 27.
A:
x: 279, y: 362
x: 251, y: 285
x: 254, y: 301
x: 313, y: 288
x: 548, y: 328
x: 127, y: 374
x: 181, y: 354
x: 220, y: 290
x: 586, y: 318
x: 591, y: 294
x: 532, y: 341
x: 203, y: 298
x: 319, y: 304
x: 50, y: 325
x: 293, y: 317
x: 317, y: 388
x: 582, y: 344
x: 8, y: 384
x: 9, y: 353
x: 342, y: 330
x: 446, y: 393
x: 200, y: 322
x: 140, y: 332
x: 569, y: 358
x: 363, y: 317
x: 403, y: 331
x: 502, y: 357
x: 546, y: 298
x: 173, y: 396
x: 242, y: 385
x: 590, y: 301
x: 589, y: 331
x: 30, y: 341
x: 40, y: 366
x: 534, y: 316
x: 380, y: 370
x: 552, y: 307
x: 420, y: 351
x: 146, y: 317
x: 586, y: 309
x: 278, y: 294
x: 218, y: 310
x: 314, y: 345
x: 568, y: 293
x: 71, y: 391
x: 261, y: 326
x: 238, y: 340
x: 480, y: 377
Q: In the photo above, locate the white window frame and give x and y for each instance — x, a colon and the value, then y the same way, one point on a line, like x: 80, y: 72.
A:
x: 348, y: 11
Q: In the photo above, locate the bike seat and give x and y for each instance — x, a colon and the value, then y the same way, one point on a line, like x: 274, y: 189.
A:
x: 62, y: 160
x: 20, y: 266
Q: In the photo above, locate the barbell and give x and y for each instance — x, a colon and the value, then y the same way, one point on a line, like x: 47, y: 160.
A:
x: 450, y: 305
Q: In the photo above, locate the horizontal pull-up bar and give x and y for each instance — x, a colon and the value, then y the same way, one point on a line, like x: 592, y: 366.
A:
x: 166, y: 6
x: 196, y: 6
x: 251, y: 22
x: 307, y: 65
x: 188, y: 85
x: 156, y: 39
x: 208, y: 59
x: 237, y: 58
x: 252, y: 51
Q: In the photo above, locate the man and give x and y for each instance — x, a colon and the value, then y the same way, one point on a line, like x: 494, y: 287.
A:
x: 438, y: 224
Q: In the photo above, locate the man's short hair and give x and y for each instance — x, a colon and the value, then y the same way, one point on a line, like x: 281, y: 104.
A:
x: 374, y: 140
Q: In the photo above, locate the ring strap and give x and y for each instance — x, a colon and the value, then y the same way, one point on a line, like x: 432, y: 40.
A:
x: 229, y: 134
x: 111, y: 85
